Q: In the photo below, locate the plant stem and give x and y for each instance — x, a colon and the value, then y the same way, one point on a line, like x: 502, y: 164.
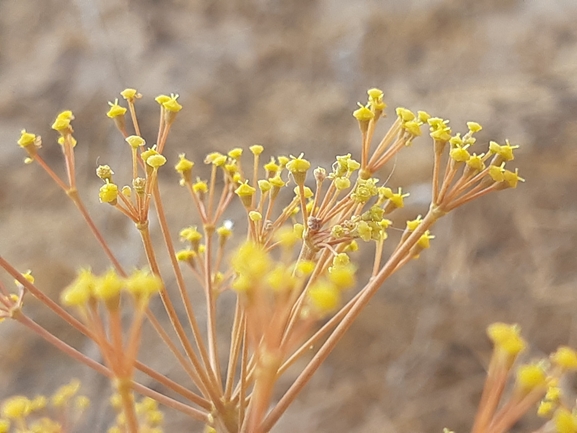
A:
x: 369, y: 290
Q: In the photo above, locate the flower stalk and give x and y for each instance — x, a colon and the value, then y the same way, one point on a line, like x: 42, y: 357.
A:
x: 294, y: 276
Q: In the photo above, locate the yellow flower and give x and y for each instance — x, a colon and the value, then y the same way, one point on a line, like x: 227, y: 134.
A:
x: 156, y: 161
x: 65, y: 393
x: 27, y: 276
x: 531, y: 376
x: 507, y: 339
x: 62, y: 122
x: 474, y: 126
x: 108, y: 286
x: 364, y: 231
x: 281, y: 278
x: 80, y: 290
x: 108, y: 193
x: 504, y: 152
x: 264, y: 185
x: 115, y: 110
x: 512, y: 178
x: 497, y: 173
x: 277, y: 182
x: 412, y: 127
x: 26, y: 139
x: 564, y: 421
x: 413, y: 224
x: 185, y: 255
x: 200, y: 187
x: 396, y: 199
x: 342, y: 183
x: 307, y: 192
x: 215, y: 158
x: 283, y: 161
x: 342, y: 276
x: 271, y: 168
x: 256, y: 149
x: 439, y: 129
x: 171, y: 104
x: 288, y: 237
x: 476, y: 162
x: 460, y: 154
x: 245, y: 192
x: 184, y: 167
x: 104, y: 172
x: 298, y: 167
x: 235, y: 153
x: 423, y: 116
x: 365, y: 190
x: 148, y: 153
x: 143, y: 285
x: 363, y: 114
x: 375, y: 93
x: 251, y: 261
x: 161, y: 99
x: 135, y: 141
x: 545, y: 409
x: 565, y: 357
x: 16, y: 407
x: 191, y: 234
x: 376, y: 99
x: 4, y: 426
x: 225, y: 230
x: 305, y: 268
x: 130, y: 94
x: 405, y: 115
x: 324, y: 297
x: 425, y: 240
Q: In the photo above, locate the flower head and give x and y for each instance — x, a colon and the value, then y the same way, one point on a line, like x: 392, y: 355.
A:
x: 507, y: 340
x: 115, y: 110
x: 108, y: 193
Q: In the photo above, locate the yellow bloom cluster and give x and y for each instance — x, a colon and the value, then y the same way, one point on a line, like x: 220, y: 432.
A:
x: 140, y: 285
x: 149, y: 416
x: 257, y: 273
x: 292, y: 270
x: 536, y: 384
x: 29, y: 415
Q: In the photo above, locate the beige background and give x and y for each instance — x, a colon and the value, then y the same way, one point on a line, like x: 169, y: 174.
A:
x: 287, y: 74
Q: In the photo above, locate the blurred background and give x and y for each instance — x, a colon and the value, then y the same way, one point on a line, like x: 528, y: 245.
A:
x: 287, y: 74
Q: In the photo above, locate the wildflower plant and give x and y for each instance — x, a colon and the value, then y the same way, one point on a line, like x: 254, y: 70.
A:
x: 290, y: 266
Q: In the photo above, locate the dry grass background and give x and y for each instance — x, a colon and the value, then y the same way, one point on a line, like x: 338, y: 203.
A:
x: 286, y: 74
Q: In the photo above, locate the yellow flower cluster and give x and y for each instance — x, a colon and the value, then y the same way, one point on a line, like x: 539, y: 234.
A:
x: 140, y: 285
x: 292, y: 270
x: 150, y: 418
x: 537, y: 383
x: 29, y: 415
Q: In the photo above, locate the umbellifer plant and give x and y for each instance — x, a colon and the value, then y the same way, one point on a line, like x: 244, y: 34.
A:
x: 291, y: 269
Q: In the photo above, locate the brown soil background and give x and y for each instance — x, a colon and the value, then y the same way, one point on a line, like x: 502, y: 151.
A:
x: 287, y: 74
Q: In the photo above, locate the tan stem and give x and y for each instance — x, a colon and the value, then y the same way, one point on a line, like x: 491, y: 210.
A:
x: 367, y: 293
